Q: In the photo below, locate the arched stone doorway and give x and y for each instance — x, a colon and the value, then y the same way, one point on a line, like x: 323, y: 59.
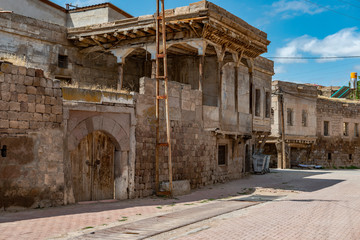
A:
x: 115, y: 139
x: 92, y: 164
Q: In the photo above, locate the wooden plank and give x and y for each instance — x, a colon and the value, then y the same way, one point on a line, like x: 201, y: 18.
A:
x: 81, y: 159
x: 119, y: 36
x: 103, y: 165
x: 150, y: 30
x: 87, y: 41
x: 110, y: 37
x: 139, y: 33
x: 128, y: 33
x: 99, y: 39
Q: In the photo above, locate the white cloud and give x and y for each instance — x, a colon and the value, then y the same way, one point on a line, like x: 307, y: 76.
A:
x: 343, y: 43
x: 84, y: 3
x: 289, y: 9
x: 357, y: 67
x: 279, y: 69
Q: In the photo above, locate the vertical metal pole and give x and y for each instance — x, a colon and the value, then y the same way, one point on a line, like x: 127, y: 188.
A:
x: 166, y: 96
x: 157, y: 100
x: 283, y: 155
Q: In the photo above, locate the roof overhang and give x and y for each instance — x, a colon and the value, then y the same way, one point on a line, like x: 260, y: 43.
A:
x: 202, y: 20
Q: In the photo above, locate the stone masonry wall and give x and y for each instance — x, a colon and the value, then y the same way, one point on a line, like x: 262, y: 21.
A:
x: 337, y: 150
x: 194, y: 150
x: 31, y: 174
x: 33, y: 43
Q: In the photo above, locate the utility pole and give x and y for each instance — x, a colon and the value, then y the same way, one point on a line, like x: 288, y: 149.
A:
x: 283, y: 154
x: 162, y: 75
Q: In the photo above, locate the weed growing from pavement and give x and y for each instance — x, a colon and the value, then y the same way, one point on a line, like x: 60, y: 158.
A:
x: 159, y: 207
x: 189, y: 204
x: 89, y: 227
x: 138, y: 214
x: 123, y: 219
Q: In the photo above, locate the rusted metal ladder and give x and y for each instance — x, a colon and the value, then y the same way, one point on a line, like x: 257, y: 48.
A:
x: 161, y: 54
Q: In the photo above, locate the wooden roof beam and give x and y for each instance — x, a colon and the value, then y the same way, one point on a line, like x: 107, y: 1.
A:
x: 139, y: 33
x: 119, y: 36
x: 99, y: 39
x: 86, y: 41
x: 110, y: 37
x: 174, y: 26
x: 129, y: 34
x: 150, y: 30
x: 81, y: 44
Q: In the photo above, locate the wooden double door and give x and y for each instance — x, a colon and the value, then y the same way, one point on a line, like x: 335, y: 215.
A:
x: 93, y: 168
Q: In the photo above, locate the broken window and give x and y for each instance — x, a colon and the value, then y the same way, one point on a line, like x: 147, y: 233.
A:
x: 257, y: 102
x: 267, y: 104
x: 326, y: 128
x: 346, y: 129
x: 63, y: 61
x: 290, y: 117
x: 356, y: 130
x: 222, y: 154
x: 304, y: 118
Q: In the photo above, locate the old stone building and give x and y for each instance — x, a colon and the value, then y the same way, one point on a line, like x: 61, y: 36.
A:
x: 83, y: 127
x: 338, y: 141
x: 319, y: 130
x: 299, y: 116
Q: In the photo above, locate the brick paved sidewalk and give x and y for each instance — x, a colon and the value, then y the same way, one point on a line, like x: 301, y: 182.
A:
x: 53, y: 222
x: 331, y: 212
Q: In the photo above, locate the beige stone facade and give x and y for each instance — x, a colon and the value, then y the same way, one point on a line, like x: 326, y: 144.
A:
x: 318, y: 130
x: 102, y: 88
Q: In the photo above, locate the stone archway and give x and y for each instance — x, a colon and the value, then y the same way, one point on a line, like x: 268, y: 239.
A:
x: 113, y: 143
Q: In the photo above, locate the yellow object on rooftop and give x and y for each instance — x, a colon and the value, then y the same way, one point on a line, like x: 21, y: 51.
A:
x: 353, y: 75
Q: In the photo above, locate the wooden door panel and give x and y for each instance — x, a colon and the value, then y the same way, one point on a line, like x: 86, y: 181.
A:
x: 93, y: 168
x: 81, y: 172
x: 104, y: 151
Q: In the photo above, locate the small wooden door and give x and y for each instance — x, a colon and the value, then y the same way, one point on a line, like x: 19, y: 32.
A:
x: 93, y: 168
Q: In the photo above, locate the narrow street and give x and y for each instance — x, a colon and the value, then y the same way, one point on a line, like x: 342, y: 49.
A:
x: 285, y: 204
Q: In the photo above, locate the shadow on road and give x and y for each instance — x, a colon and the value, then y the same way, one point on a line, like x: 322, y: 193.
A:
x: 294, y: 180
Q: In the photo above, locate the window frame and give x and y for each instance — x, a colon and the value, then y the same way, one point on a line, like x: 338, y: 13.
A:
x: 257, y: 102
x: 290, y: 116
x: 327, y: 133
x: 346, y: 129
x: 267, y: 105
x: 222, y: 163
x: 356, y: 130
x: 304, y: 118
x: 63, y: 61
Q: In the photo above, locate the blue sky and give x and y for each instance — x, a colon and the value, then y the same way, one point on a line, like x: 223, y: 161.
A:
x: 296, y: 28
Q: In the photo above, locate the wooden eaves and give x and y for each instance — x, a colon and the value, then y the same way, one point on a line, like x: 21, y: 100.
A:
x: 207, y: 21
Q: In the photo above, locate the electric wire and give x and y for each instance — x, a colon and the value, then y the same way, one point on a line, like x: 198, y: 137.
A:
x: 324, y: 69
x: 291, y: 58
x: 354, y: 5
x: 332, y: 10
